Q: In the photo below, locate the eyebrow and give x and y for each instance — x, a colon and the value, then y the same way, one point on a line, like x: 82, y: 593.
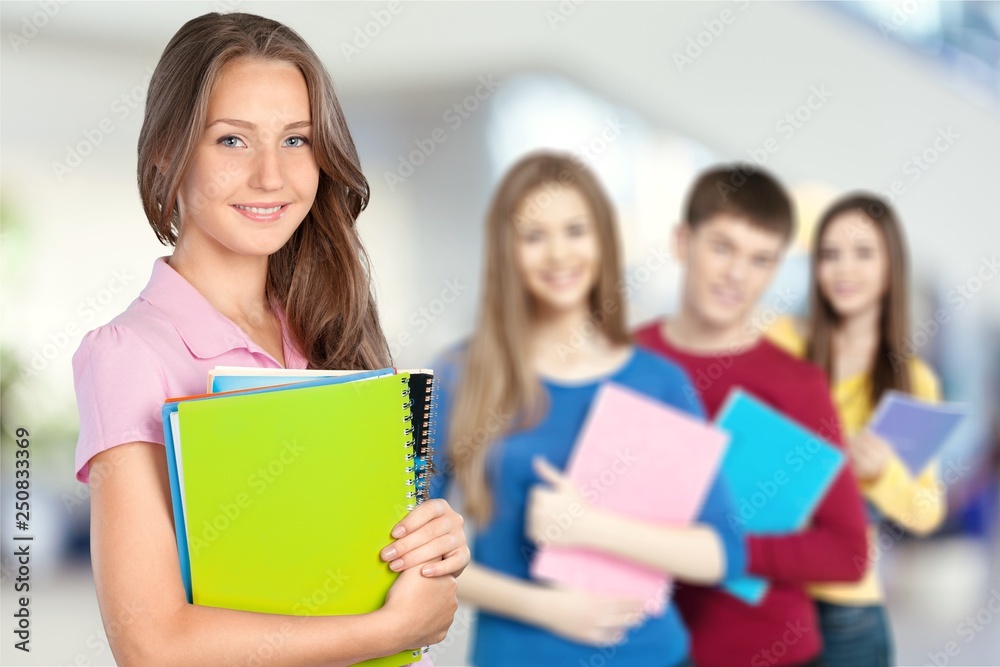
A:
x: 252, y: 126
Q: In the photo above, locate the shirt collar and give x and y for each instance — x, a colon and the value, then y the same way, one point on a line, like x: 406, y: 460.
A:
x: 205, y: 331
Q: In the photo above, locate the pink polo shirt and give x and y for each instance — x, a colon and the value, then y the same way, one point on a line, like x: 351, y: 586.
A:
x: 161, y: 347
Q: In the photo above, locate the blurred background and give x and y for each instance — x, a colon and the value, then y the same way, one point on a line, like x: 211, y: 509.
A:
x: 902, y: 98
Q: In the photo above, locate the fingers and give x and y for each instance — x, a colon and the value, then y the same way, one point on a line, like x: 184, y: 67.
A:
x: 433, y: 550
x: 618, y: 617
x: 454, y: 563
x: 440, y: 536
x: 548, y: 472
x: 425, y: 512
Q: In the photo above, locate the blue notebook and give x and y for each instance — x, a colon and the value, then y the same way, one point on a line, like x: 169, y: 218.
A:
x: 916, y: 429
x: 777, y: 472
x: 169, y: 413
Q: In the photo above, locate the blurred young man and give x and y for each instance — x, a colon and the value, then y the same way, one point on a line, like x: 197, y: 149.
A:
x: 738, y: 222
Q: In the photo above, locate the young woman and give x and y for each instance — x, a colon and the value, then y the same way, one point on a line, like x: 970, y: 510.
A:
x: 512, y: 401
x: 246, y: 166
x: 858, y: 333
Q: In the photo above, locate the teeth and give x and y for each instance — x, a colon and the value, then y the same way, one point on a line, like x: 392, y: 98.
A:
x: 260, y: 211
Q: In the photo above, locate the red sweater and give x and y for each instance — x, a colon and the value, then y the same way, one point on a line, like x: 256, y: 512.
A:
x: 783, y: 628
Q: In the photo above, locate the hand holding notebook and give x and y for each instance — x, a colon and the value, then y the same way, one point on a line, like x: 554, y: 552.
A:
x: 643, y: 459
x: 915, y: 429
x: 283, y: 496
x: 777, y: 471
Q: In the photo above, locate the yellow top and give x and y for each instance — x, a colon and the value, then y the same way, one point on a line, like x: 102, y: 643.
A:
x: 918, y: 504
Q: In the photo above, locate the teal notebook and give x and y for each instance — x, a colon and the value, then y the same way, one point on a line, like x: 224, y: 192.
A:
x: 777, y: 471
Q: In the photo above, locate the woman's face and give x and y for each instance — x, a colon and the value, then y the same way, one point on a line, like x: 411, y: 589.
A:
x: 252, y: 177
x: 556, y: 245
x: 853, y: 266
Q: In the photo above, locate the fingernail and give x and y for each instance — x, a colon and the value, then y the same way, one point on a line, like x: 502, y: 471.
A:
x: 428, y: 571
x: 398, y: 532
x: 396, y: 565
x: 388, y: 553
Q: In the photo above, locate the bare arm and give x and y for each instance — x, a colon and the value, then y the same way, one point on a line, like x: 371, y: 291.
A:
x: 581, y: 617
x: 694, y: 553
x: 140, y: 593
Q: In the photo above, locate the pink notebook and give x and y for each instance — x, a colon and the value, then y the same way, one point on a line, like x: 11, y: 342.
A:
x: 641, y: 458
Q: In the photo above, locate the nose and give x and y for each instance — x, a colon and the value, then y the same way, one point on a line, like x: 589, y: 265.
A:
x: 557, y: 248
x: 737, y: 268
x: 267, y: 170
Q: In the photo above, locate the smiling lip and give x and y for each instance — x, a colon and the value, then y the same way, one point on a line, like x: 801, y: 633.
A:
x: 562, y: 279
x: 261, y: 212
x: 728, y: 297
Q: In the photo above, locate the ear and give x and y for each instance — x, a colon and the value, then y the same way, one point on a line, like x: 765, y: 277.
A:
x: 682, y: 239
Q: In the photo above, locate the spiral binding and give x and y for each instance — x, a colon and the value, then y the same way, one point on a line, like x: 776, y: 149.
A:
x: 408, y: 441
x: 427, y: 442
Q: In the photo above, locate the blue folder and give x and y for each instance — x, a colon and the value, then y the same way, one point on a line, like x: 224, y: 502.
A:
x: 777, y: 472
x: 171, y: 407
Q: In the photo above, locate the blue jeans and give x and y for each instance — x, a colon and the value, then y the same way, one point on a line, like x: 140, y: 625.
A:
x: 854, y: 636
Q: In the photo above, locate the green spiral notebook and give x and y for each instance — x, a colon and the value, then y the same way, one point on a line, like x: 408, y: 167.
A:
x: 290, y: 493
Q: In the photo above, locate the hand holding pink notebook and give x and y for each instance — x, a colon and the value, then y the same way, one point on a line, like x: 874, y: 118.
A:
x: 640, y: 458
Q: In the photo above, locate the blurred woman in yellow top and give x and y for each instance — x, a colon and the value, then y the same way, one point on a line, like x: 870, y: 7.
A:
x: 858, y: 333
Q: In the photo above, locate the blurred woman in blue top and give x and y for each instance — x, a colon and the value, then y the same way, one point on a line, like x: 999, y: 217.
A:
x: 510, y: 405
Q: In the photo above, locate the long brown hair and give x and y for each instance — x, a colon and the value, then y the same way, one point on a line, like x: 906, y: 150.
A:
x: 321, y: 276
x: 499, y: 390
x: 893, y: 328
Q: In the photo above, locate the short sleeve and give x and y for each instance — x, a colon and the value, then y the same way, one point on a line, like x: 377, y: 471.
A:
x: 120, y: 390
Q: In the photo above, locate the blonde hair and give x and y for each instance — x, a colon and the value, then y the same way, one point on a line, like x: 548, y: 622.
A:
x: 499, y: 390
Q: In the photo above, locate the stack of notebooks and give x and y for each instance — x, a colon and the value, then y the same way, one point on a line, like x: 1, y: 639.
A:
x: 286, y: 484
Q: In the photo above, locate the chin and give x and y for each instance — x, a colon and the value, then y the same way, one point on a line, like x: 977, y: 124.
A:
x: 848, y: 309
x: 723, y: 318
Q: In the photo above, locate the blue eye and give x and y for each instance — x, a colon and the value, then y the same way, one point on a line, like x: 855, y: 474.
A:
x: 228, y: 141
x: 302, y: 141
